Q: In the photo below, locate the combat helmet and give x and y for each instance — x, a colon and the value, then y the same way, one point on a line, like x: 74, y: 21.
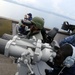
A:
x: 38, y: 22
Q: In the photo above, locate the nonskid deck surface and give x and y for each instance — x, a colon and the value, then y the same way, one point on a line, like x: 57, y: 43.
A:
x: 7, y: 67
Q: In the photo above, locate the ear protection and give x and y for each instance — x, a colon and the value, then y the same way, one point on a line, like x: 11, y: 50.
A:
x: 70, y: 60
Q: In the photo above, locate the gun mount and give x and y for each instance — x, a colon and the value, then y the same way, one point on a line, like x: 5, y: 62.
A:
x: 28, y: 51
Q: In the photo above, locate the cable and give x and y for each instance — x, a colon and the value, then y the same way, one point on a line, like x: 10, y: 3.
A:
x: 61, y: 70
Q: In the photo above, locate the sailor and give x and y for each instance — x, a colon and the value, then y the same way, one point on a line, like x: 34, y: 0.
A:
x: 64, y: 62
x: 29, y: 16
x: 35, y: 27
x: 70, y: 39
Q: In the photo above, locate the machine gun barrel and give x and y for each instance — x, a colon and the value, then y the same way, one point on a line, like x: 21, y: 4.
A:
x: 7, y: 36
x: 3, y: 43
x: 9, y: 48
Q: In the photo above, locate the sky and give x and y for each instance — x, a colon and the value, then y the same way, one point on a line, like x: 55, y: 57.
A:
x: 62, y: 7
x: 53, y: 11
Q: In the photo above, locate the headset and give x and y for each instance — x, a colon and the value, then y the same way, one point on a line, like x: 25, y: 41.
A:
x: 70, y: 60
